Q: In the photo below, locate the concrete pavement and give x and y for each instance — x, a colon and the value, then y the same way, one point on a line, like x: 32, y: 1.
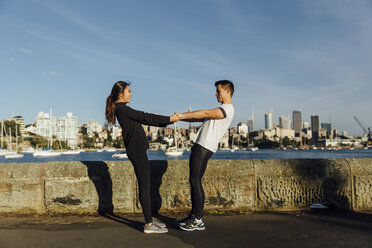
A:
x: 274, y: 229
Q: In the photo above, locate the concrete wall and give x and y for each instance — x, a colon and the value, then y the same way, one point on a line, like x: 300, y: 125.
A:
x: 229, y: 185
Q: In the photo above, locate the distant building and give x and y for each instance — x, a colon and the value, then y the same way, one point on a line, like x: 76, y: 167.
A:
x: 153, y: 129
x: 250, y: 125
x: 285, y: 122
x: 30, y: 129
x: 232, y: 130
x: 64, y: 128
x: 274, y: 133
x: 305, y: 125
x: 297, y: 121
x: 334, y: 133
x: 224, y: 143
x: 20, y: 121
x: 168, y: 132
x: 116, y: 132
x: 315, y: 126
x: 269, y: 120
x: 242, y: 129
x: 326, y: 126
x: 322, y: 133
x: 93, y: 127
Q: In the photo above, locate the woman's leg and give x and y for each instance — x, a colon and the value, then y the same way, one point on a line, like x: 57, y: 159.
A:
x: 198, y: 164
x: 141, y: 168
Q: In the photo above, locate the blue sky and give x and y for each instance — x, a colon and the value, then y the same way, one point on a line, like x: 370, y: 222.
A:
x: 281, y: 55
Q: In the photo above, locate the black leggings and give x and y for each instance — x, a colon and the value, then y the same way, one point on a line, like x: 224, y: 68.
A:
x: 198, y: 164
x: 142, y: 169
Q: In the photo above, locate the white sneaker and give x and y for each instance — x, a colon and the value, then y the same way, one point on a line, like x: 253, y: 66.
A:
x: 154, y: 229
x: 159, y: 223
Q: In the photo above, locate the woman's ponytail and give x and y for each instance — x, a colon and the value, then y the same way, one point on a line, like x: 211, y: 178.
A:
x: 118, y: 88
x: 110, y: 109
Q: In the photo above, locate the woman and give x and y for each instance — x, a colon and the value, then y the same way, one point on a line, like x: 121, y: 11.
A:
x: 136, y: 144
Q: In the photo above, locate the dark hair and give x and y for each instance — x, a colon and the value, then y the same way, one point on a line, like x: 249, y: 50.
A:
x: 118, y: 87
x: 226, y: 84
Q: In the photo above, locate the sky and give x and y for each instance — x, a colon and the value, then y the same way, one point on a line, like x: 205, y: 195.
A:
x: 314, y: 56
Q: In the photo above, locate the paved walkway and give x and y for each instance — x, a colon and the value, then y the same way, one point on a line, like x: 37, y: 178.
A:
x: 310, y: 229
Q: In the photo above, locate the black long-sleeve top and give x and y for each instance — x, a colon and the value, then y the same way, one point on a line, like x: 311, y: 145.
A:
x: 130, y: 121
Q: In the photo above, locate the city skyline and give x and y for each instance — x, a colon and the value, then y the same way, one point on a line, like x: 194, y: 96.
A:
x: 285, y: 56
x: 284, y: 121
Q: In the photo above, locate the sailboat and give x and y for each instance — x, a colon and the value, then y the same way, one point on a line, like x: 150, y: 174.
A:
x: 4, y: 152
x: 120, y: 155
x: 174, y: 151
x: 233, y: 149
x: 14, y: 154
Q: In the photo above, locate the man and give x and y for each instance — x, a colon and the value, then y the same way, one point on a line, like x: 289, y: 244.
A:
x: 215, y: 124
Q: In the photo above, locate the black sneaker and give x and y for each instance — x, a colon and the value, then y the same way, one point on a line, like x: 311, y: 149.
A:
x: 182, y: 221
x: 191, y: 223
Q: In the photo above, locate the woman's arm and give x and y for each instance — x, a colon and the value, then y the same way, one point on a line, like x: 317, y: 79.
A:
x: 147, y: 118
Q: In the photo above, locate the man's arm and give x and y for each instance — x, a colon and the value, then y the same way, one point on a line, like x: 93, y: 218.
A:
x: 217, y: 113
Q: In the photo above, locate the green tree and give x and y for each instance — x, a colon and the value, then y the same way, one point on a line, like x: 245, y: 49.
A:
x: 39, y: 141
x: 286, y: 142
x: 118, y: 143
x: 88, y: 142
x: 60, y: 145
x: 12, y: 125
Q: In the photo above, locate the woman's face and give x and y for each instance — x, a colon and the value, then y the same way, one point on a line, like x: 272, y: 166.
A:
x: 126, y: 95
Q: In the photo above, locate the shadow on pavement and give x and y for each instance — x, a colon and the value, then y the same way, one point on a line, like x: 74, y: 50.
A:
x: 335, y: 217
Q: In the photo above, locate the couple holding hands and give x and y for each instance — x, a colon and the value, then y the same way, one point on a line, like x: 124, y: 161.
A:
x: 215, y: 123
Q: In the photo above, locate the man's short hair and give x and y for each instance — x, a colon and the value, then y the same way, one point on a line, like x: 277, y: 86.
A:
x: 226, y: 84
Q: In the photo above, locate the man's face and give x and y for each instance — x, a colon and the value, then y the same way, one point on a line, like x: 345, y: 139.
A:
x: 222, y: 93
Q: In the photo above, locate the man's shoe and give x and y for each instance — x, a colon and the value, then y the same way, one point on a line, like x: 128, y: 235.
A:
x: 191, y: 224
x: 154, y: 229
x: 183, y: 221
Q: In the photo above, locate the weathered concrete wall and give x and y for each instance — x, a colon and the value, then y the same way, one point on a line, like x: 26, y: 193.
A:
x: 229, y: 185
x: 361, y: 180
x: 298, y: 183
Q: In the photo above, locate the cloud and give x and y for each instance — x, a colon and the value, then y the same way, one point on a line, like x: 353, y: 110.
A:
x: 12, y: 60
x: 24, y: 50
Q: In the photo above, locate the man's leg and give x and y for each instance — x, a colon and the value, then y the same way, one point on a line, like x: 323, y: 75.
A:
x: 198, y: 164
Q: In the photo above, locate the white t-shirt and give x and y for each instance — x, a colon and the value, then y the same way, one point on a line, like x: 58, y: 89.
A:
x: 212, y: 131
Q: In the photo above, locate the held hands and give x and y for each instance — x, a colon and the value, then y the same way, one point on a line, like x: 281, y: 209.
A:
x: 176, y: 117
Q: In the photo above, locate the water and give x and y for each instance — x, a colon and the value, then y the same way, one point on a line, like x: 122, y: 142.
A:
x: 159, y: 155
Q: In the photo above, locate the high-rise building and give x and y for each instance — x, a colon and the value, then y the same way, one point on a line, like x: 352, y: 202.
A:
x: 327, y: 126
x: 297, y: 122
x: 285, y: 122
x: 269, y: 120
x: 315, y: 126
x: 250, y: 122
x: 250, y: 126
x: 64, y: 128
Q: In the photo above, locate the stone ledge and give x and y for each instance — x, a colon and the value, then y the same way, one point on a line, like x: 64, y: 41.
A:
x: 230, y: 186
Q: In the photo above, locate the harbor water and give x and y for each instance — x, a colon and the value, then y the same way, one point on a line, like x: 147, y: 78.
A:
x: 160, y: 155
